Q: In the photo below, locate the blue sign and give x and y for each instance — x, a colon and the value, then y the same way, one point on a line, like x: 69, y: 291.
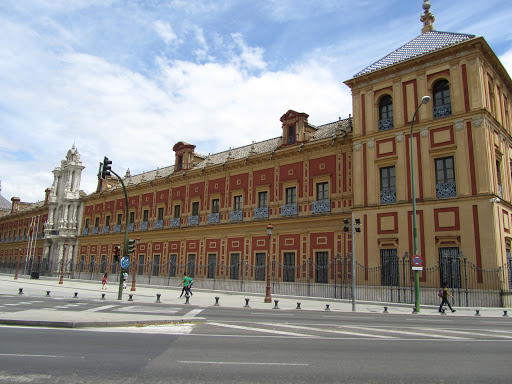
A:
x: 125, y: 262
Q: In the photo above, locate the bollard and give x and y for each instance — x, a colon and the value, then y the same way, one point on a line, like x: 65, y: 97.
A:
x: 247, y: 303
x: 385, y: 310
x: 217, y: 300
x: 158, y: 298
x: 76, y: 295
x: 102, y: 296
x: 47, y: 293
x: 275, y: 304
x: 21, y: 291
x: 130, y: 298
x: 187, y: 297
x: 477, y: 312
x: 298, y: 306
x: 505, y: 314
x: 327, y: 307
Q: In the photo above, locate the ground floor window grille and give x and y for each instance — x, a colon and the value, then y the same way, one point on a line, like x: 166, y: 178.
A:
x: 172, y: 265
x: 450, y: 266
x: 140, y: 269
x: 156, y: 265
x: 261, y: 261
x: 389, y: 267
x: 212, y: 264
x: 322, y: 270
x: 289, y: 267
x: 191, y: 267
x: 234, y: 267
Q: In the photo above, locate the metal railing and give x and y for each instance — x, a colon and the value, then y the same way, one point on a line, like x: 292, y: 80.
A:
x: 391, y: 282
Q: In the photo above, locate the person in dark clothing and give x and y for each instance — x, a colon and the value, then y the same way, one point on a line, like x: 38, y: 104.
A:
x: 446, y: 293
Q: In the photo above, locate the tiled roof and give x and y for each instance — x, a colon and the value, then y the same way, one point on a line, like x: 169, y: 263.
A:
x: 4, y: 204
x: 425, y: 43
x: 268, y: 146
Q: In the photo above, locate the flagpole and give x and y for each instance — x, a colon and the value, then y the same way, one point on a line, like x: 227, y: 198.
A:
x: 33, y: 251
x: 29, y: 243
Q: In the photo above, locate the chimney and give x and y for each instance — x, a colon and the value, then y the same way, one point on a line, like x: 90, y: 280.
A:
x: 15, y: 204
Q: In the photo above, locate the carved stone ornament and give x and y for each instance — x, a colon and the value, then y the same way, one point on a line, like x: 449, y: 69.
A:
x: 424, y: 132
x: 400, y: 137
x: 371, y: 143
x: 459, y: 125
x: 477, y: 121
x: 357, y: 146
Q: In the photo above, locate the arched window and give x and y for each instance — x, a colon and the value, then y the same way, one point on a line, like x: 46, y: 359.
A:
x: 442, y: 101
x: 385, y: 113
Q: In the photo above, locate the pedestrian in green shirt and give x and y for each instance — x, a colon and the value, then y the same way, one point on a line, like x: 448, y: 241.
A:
x: 185, y: 283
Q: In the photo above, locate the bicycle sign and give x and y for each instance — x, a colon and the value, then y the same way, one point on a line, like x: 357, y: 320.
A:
x: 125, y: 262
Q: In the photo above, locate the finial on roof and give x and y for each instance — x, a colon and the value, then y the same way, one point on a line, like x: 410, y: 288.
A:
x: 427, y: 18
x: 127, y: 174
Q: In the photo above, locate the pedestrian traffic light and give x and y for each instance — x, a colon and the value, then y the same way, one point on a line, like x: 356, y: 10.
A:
x: 346, y: 228
x: 117, y: 253
x: 131, y: 246
x: 106, y: 168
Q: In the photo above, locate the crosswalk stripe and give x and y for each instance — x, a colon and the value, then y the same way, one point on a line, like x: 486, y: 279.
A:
x: 467, y: 332
x: 329, y: 331
x: 259, y: 329
x: 97, y: 309
x: 402, y: 332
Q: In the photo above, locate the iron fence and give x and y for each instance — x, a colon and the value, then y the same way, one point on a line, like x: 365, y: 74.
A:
x: 391, y: 281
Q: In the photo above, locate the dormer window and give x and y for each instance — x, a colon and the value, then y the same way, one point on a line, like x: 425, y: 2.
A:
x: 291, y: 134
x: 385, y: 113
x: 180, y: 162
x: 442, y: 101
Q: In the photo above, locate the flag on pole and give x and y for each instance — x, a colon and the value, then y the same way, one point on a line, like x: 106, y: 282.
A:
x: 31, y: 227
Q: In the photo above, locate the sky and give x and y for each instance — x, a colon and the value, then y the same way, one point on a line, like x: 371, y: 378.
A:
x: 128, y: 79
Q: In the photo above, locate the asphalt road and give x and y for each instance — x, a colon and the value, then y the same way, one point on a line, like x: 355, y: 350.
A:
x: 260, y: 346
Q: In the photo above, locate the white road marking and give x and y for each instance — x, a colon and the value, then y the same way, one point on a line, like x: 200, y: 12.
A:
x: 329, y: 331
x: 145, y: 309
x: 259, y: 329
x: 240, y: 363
x: 161, y: 329
x: 399, y: 331
x: 193, y: 313
x: 99, y: 308
x: 49, y: 356
x: 467, y: 332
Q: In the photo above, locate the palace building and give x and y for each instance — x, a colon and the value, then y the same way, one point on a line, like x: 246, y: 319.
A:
x: 208, y: 215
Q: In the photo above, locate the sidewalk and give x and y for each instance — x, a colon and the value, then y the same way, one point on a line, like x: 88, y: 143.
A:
x: 91, y: 291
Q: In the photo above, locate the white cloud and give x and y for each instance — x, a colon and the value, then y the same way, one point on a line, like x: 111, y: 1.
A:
x: 250, y: 57
x: 506, y: 60
x: 165, y: 31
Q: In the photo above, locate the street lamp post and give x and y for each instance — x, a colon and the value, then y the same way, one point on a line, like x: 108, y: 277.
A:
x: 17, y: 264
x: 134, y: 271
x: 268, y: 298
x: 424, y: 100
x: 61, y: 281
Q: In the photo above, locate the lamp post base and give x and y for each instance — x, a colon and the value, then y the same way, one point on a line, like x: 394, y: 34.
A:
x: 268, y: 300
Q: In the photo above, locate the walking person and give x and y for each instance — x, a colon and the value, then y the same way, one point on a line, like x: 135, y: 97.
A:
x: 185, y: 283
x: 104, y: 281
x: 444, y: 293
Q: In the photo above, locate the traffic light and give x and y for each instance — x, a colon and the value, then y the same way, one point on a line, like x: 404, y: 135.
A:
x: 117, y: 253
x: 346, y: 227
x: 131, y: 246
x: 106, y: 168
